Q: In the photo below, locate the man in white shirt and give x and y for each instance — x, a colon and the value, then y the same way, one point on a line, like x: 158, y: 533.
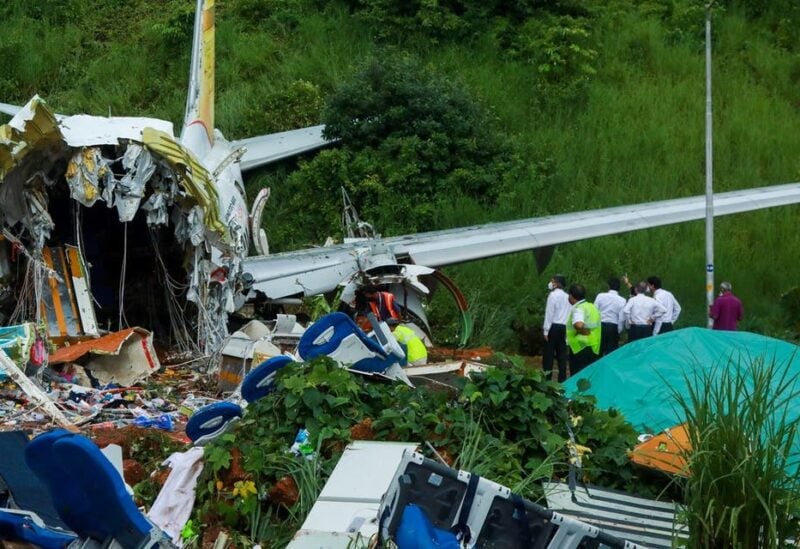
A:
x: 610, y: 304
x: 641, y: 313
x: 555, y: 328
x: 669, y: 302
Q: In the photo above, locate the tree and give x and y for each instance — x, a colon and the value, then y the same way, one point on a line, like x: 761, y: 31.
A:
x: 408, y: 137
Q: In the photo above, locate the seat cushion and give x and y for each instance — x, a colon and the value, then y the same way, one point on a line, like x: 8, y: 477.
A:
x: 261, y: 379
x: 417, y: 532
x: 28, y: 492
x: 69, y: 499
x: 337, y: 336
x: 211, y: 421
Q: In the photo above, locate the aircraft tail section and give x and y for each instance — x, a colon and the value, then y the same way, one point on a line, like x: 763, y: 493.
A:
x: 200, y: 101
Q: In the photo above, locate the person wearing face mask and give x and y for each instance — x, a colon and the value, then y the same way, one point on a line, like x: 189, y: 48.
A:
x: 665, y: 297
x: 555, y: 328
x: 583, y: 330
x: 641, y: 313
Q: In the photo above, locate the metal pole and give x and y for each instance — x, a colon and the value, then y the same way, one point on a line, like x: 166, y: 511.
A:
x: 709, y: 174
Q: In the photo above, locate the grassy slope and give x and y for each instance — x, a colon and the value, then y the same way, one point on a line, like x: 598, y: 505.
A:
x: 638, y: 137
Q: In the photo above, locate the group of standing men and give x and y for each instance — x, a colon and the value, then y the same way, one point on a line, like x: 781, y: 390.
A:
x: 586, y: 331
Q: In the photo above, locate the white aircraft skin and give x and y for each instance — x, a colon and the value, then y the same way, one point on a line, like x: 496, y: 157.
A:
x: 322, y: 270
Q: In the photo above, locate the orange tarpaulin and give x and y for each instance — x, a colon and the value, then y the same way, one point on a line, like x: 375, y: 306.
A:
x: 665, y: 452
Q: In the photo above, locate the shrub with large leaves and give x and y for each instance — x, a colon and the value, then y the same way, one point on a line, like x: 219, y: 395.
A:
x: 508, y: 424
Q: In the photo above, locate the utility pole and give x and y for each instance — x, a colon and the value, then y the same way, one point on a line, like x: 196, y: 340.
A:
x: 709, y: 173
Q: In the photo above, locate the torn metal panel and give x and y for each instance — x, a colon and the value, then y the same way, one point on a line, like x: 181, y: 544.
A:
x: 128, y: 193
x: 38, y: 219
x: 59, y: 307
x: 83, y: 296
x: 33, y: 128
x: 194, y: 176
x: 124, y: 357
x: 87, y: 172
x: 83, y: 130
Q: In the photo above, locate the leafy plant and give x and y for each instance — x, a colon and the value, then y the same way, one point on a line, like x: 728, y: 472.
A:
x: 507, y: 424
x: 743, y: 489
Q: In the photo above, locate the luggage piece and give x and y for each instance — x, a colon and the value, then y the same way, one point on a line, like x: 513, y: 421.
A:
x: 484, y: 513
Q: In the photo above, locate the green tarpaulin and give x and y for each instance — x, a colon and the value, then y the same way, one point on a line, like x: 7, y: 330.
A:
x: 636, y: 378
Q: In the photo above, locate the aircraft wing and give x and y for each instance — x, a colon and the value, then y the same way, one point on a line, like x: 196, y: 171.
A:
x: 10, y: 110
x: 265, y: 149
x: 320, y: 270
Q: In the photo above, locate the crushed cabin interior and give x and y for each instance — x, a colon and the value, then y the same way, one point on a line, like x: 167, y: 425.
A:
x: 133, y: 273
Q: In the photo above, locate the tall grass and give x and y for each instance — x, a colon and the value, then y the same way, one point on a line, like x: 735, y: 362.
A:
x: 636, y: 136
x: 743, y: 489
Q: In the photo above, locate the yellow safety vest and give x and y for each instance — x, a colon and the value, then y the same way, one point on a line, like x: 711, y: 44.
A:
x: 591, y: 320
x: 416, y: 349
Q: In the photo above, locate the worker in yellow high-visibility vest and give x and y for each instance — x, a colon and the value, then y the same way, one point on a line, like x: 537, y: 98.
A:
x: 416, y: 352
x: 583, y: 330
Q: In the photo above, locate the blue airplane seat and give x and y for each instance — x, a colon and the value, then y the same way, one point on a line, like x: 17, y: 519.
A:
x: 336, y: 335
x: 72, y: 505
x: 112, y: 513
x: 261, y: 379
x: 210, y: 421
x: 416, y: 531
x: 87, y: 491
x: 27, y: 527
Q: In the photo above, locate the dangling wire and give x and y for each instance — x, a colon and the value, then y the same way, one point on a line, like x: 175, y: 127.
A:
x: 172, y: 289
x: 123, y: 268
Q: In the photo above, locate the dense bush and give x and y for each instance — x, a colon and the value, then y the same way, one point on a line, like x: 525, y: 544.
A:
x: 408, y: 137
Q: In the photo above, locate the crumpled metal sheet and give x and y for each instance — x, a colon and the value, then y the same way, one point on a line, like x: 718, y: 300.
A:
x: 86, y: 170
x: 194, y: 177
x: 39, y: 221
x: 123, y: 357
x: 189, y: 226
x: 34, y: 127
x: 128, y: 193
x: 165, y: 189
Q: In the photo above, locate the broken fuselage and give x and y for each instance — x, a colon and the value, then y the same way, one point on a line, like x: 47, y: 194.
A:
x: 112, y: 222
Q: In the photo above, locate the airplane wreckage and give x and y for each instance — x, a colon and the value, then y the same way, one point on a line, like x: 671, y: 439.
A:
x: 110, y: 222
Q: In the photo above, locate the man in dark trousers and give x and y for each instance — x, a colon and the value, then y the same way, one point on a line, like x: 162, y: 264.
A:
x: 610, y: 304
x: 554, y: 327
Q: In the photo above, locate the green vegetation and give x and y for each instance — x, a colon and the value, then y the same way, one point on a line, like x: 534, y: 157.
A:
x: 580, y: 105
x: 743, y: 489
x: 508, y: 424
